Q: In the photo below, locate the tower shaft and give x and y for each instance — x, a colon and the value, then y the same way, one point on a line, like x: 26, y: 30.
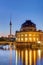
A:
x: 10, y: 28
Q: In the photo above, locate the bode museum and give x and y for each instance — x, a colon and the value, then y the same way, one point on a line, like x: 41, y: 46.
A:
x: 29, y: 35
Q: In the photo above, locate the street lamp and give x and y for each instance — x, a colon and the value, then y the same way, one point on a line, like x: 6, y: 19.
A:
x: 38, y: 42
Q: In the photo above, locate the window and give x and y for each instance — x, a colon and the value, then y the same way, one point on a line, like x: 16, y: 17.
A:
x: 30, y: 39
x: 25, y: 34
x: 21, y: 34
x: 26, y: 39
x: 30, y: 34
x: 34, y: 39
x: 21, y: 39
x: 37, y: 39
x: 18, y: 39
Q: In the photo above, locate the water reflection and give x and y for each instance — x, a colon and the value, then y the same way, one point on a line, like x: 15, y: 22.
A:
x: 10, y: 56
x: 16, y: 58
x: 38, y: 57
x: 28, y: 57
x: 34, y: 57
x: 21, y: 57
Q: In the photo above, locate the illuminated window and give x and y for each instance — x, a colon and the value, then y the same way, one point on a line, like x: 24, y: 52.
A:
x: 18, y: 39
x: 34, y: 39
x: 30, y: 39
x: 30, y: 34
x: 21, y: 39
x: 33, y: 34
x: 37, y: 39
x: 22, y: 35
x: 25, y: 34
x: 26, y: 39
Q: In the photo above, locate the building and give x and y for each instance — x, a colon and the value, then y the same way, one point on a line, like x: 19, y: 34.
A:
x: 29, y: 34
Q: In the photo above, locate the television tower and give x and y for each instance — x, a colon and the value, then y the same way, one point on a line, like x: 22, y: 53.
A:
x: 10, y: 27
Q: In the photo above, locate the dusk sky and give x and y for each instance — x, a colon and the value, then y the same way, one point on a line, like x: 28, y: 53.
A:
x: 20, y: 11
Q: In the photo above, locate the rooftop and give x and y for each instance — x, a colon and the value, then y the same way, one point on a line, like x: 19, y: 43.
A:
x: 28, y: 25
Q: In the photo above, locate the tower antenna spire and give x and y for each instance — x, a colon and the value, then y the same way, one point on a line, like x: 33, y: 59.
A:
x: 10, y: 27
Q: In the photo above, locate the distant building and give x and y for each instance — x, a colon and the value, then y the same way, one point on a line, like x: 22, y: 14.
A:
x: 28, y: 33
x: 11, y: 36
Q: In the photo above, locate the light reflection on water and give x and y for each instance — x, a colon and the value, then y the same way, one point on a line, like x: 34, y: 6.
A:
x: 38, y: 57
x: 21, y: 57
x: 28, y: 57
x: 10, y: 56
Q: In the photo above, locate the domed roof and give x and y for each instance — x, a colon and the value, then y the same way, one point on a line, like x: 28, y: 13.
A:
x: 28, y: 23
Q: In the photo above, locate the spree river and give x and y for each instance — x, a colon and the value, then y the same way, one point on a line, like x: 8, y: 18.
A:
x: 21, y: 57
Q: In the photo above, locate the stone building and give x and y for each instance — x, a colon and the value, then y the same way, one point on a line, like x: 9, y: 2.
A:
x: 29, y: 34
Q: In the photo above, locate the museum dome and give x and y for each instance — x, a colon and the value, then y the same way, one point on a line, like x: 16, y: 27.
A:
x: 28, y: 25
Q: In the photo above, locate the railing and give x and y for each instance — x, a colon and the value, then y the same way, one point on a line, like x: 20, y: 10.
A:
x: 30, y: 45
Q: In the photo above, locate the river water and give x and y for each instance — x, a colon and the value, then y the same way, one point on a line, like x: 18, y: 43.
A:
x: 21, y: 57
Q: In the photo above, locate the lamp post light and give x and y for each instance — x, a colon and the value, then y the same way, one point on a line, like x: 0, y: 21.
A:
x: 38, y: 42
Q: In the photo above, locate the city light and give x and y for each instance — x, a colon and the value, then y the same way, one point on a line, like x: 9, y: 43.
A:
x: 38, y: 42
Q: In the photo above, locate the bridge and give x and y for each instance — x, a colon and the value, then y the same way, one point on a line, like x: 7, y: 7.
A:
x: 6, y: 43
